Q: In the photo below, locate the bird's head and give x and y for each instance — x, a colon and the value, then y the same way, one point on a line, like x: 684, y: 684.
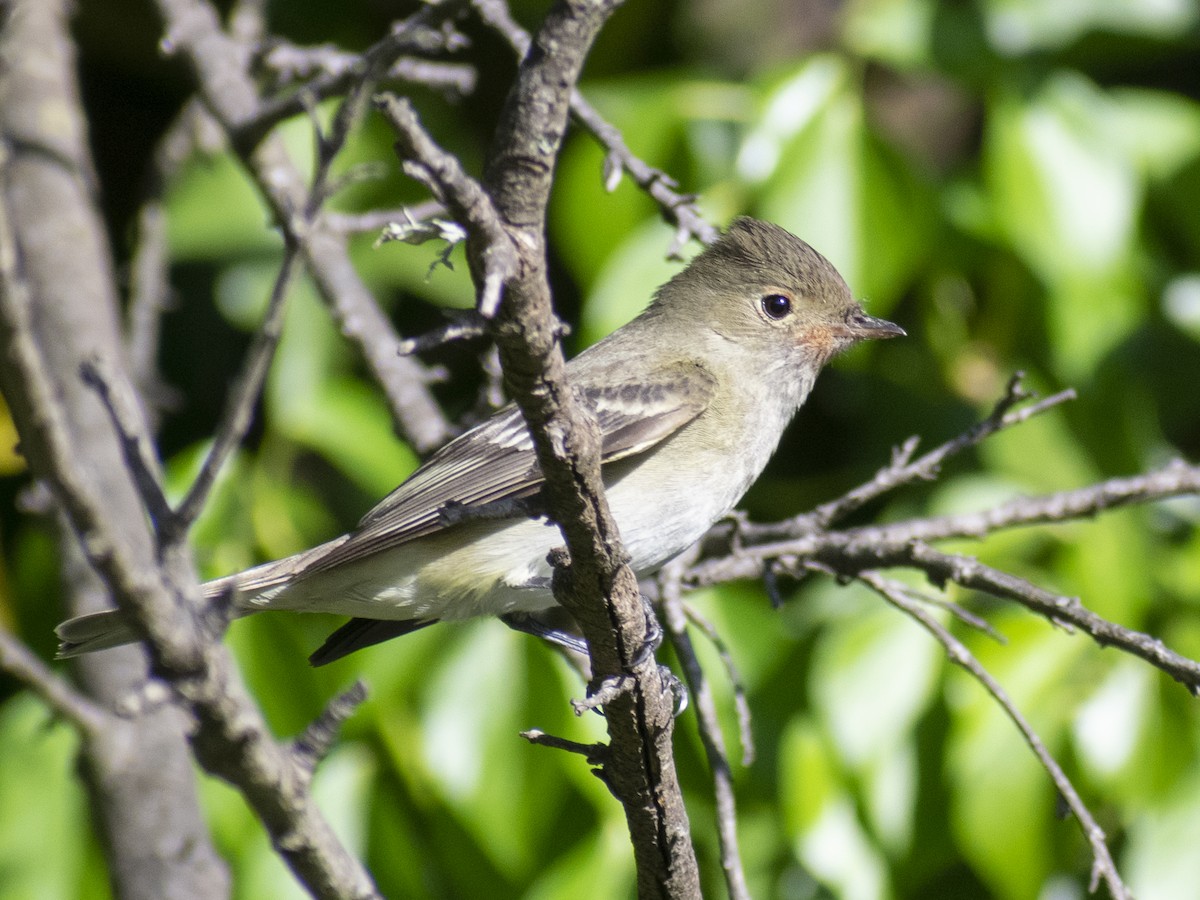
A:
x: 770, y: 293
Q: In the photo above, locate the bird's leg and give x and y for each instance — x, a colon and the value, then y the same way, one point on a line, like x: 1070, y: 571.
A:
x: 677, y: 688
x: 654, y: 634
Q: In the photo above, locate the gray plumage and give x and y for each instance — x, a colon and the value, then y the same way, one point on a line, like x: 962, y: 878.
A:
x: 691, y: 398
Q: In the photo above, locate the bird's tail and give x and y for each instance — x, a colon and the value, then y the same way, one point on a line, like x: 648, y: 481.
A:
x: 110, y: 628
x: 250, y: 590
x: 95, y: 631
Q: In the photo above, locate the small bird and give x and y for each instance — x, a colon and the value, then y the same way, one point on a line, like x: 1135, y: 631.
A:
x: 691, y: 399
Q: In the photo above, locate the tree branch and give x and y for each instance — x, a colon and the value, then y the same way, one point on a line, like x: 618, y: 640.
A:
x: 19, y: 661
x: 509, y: 229
x: 677, y: 209
x: 222, y: 70
x: 709, y: 727
x: 1102, y: 865
x: 58, y: 308
x: 231, y: 738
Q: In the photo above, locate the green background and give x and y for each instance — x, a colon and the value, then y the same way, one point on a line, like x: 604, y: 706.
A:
x: 1015, y: 182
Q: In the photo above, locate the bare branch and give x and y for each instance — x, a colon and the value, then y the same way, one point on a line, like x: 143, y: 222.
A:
x: 377, y: 220
x: 136, y: 448
x: 471, y: 206
x: 314, y: 744
x: 903, y: 469
x: 709, y: 728
x: 22, y: 664
x: 506, y: 227
x: 678, y: 209
x: 231, y: 739
x: 289, y: 63
x: 428, y: 30
x: 595, y: 754
x: 741, y: 702
x: 1103, y: 866
x: 240, y: 403
x: 971, y: 573
x: 464, y: 326
x: 150, y: 292
x: 221, y: 66
x: 1176, y: 479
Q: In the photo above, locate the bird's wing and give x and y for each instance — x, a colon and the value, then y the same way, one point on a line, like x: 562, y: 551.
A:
x: 495, y: 462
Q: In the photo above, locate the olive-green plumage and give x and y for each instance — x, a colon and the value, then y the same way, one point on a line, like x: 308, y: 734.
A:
x: 691, y: 398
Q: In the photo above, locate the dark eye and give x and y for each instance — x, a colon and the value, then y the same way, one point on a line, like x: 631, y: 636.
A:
x: 776, y: 306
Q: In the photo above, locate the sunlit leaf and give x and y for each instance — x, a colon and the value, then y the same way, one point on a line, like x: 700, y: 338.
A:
x: 1067, y: 198
x: 1021, y: 26
x: 877, y: 673
x: 822, y: 174
x: 39, y: 801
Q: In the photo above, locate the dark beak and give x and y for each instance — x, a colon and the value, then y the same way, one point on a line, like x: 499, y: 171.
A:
x: 862, y: 327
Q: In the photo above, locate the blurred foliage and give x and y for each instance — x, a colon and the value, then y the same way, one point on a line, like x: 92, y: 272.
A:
x: 1016, y: 182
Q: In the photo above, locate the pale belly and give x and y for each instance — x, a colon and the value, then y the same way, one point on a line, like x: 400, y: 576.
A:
x: 491, y: 568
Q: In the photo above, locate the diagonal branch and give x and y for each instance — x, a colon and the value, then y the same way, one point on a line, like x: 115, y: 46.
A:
x: 709, y: 727
x: 1102, y: 865
x: 678, y: 209
x: 59, y: 695
x: 510, y: 228
x: 231, y: 739
x: 222, y: 69
x: 903, y: 469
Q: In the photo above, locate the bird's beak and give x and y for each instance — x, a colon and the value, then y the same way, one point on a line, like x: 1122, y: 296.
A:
x: 862, y: 327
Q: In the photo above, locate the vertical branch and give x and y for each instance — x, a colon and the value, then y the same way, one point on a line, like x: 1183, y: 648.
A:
x: 506, y: 247
x: 598, y: 587
x: 55, y: 265
x: 222, y: 69
x: 709, y: 727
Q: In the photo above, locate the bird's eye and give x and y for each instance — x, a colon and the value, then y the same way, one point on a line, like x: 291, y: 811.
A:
x: 776, y: 306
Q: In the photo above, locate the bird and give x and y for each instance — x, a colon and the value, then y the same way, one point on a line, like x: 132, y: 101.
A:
x: 691, y: 398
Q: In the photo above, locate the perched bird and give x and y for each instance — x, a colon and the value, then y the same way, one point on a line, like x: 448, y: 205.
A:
x: 691, y: 398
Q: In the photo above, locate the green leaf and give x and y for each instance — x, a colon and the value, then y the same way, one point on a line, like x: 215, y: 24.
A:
x: 822, y: 174
x: 1160, y: 862
x: 214, y: 212
x: 1021, y: 26
x: 43, y: 817
x: 1067, y: 197
x: 894, y: 31
x: 625, y: 285
x: 808, y: 776
x: 878, y: 674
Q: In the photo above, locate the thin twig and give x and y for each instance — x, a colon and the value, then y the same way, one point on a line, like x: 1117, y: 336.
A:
x: 856, y: 550
x: 379, y: 219
x: 678, y: 209
x: 57, y: 693
x: 709, y: 727
x: 741, y: 702
x: 135, y: 447
x: 427, y: 30
x: 242, y: 397
x: 314, y: 744
x: 971, y: 573
x: 595, y: 754
x: 150, y: 291
x: 1103, y: 866
x: 903, y: 469
x: 469, y: 203
x: 465, y: 325
x: 221, y: 67
x: 290, y: 63
x: 1175, y: 479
